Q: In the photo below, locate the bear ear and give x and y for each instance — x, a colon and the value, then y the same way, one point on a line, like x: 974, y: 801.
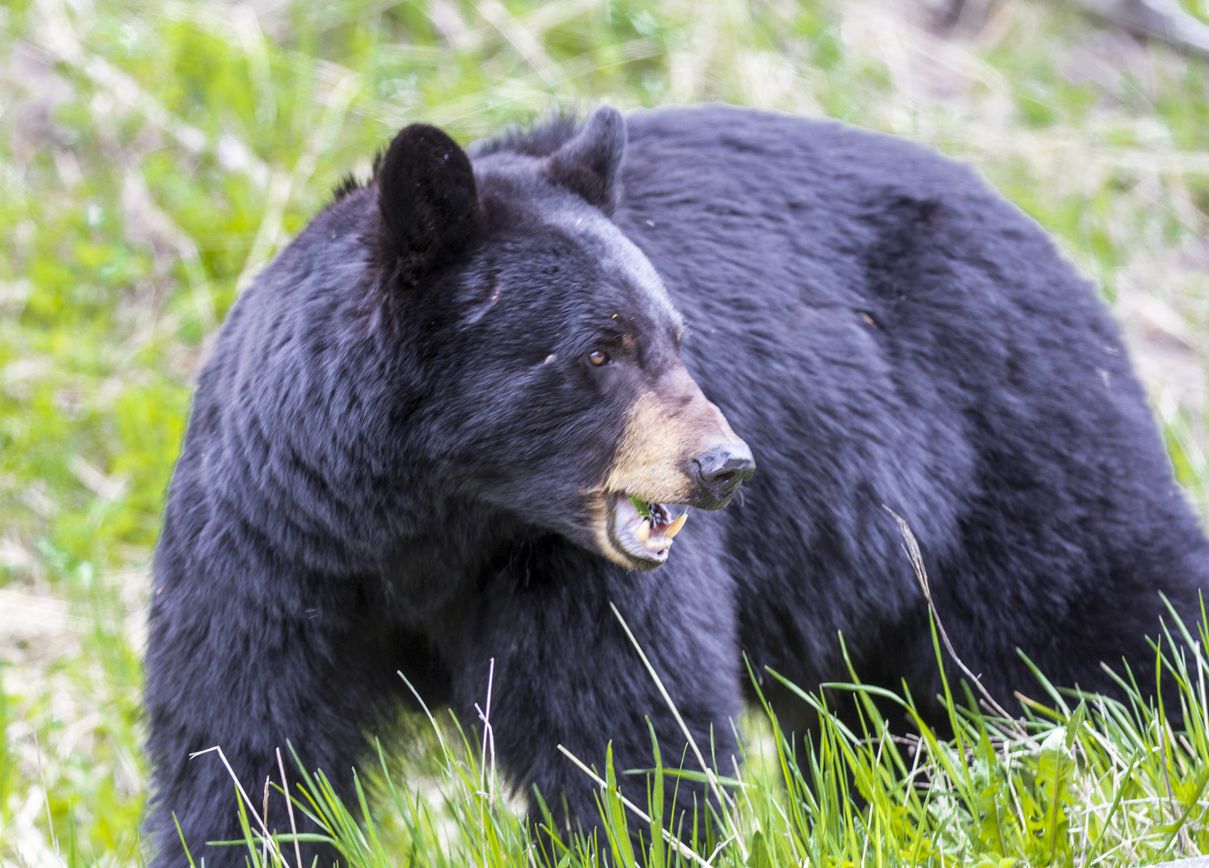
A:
x: 427, y: 198
x: 590, y: 163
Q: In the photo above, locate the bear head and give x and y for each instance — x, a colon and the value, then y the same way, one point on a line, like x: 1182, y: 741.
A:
x: 552, y: 384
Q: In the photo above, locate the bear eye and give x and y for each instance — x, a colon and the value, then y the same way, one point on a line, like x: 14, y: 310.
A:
x: 598, y: 358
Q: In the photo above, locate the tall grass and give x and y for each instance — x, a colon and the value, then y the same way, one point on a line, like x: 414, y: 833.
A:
x: 1070, y: 779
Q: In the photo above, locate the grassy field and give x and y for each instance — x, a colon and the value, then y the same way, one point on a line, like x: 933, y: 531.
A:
x: 155, y: 156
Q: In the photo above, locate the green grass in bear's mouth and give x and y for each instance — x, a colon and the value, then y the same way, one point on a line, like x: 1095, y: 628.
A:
x: 644, y: 509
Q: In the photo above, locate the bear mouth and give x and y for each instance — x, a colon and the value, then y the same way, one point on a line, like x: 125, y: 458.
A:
x: 643, y: 531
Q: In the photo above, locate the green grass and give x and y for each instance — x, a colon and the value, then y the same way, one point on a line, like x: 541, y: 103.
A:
x: 1077, y: 780
x: 155, y: 156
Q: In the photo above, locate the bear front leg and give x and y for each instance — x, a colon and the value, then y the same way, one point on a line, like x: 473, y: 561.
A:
x: 254, y: 674
x: 565, y: 673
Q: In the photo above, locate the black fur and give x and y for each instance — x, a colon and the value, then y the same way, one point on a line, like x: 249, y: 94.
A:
x: 538, y: 140
x: 347, y: 184
x: 590, y: 162
x: 426, y: 199
x: 385, y: 464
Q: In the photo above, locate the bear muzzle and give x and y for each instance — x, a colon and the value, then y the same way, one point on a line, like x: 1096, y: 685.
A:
x: 719, y: 472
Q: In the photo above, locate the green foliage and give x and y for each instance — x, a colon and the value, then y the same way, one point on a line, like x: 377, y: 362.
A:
x: 156, y: 156
x: 1076, y: 779
x: 8, y: 771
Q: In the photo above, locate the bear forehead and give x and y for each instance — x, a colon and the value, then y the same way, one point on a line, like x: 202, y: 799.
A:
x: 616, y: 255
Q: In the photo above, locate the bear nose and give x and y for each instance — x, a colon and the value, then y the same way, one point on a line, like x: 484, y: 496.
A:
x: 720, y: 471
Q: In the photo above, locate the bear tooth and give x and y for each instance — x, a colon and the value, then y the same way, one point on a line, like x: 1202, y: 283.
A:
x: 676, y: 526
x: 643, y: 531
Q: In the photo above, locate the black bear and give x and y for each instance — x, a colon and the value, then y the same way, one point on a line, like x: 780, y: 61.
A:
x: 470, y: 405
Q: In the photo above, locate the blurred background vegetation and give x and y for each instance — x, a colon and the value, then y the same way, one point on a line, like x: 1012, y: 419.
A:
x: 155, y: 156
